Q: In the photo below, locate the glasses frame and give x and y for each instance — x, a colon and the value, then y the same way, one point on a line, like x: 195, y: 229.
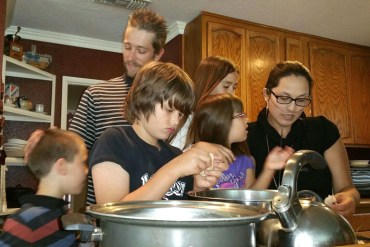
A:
x: 291, y: 99
x: 240, y: 115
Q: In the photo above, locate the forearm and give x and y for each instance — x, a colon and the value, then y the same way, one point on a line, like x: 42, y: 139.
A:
x: 264, y: 179
x: 156, y: 187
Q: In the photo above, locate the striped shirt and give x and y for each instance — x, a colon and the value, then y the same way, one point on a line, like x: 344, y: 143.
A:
x: 100, y: 107
x: 37, y: 223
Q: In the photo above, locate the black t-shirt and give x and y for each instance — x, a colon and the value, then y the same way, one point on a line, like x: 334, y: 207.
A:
x: 312, y: 133
x: 139, y: 159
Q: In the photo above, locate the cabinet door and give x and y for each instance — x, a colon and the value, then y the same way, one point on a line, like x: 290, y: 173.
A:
x: 296, y: 50
x: 360, y: 92
x: 330, y: 91
x: 229, y: 41
x: 263, y: 53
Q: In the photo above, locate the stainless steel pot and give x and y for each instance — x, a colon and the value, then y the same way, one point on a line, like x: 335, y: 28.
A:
x: 260, y: 199
x: 173, y: 223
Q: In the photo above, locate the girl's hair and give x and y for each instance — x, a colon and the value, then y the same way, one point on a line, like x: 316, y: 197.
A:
x: 212, y: 121
x: 287, y: 68
x: 157, y: 82
x: 53, y: 145
x: 150, y: 21
x: 208, y: 75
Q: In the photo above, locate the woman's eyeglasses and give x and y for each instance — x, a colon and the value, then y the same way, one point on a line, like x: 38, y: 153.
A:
x: 287, y: 100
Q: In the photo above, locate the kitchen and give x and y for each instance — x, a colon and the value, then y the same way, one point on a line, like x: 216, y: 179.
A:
x: 73, y: 68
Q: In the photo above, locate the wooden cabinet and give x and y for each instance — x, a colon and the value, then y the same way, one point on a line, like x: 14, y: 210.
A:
x: 230, y: 42
x: 263, y: 53
x: 253, y: 49
x: 360, y: 92
x: 330, y: 95
x: 341, y: 71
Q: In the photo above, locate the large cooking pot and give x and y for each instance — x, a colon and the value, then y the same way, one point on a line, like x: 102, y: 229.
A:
x: 260, y: 199
x: 303, y: 222
x: 172, y: 223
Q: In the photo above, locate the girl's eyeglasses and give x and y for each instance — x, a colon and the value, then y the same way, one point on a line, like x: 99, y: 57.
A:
x: 240, y: 115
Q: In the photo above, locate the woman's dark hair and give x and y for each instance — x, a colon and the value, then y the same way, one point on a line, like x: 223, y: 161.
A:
x: 288, y: 68
x: 212, y: 121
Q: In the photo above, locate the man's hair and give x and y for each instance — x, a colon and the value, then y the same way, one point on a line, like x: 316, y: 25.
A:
x: 53, y: 145
x: 148, y: 20
x: 212, y: 121
x: 157, y: 82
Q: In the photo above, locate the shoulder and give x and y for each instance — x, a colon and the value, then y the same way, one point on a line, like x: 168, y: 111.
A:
x: 114, y: 134
x: 244, y: 160
x: 170, y: 148
x: 113, y: 84
x: 255, y: 131
x: 319, y: 123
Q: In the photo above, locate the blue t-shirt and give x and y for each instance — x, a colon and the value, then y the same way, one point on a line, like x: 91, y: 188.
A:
x: 139, y: 159
x: 234, y: 176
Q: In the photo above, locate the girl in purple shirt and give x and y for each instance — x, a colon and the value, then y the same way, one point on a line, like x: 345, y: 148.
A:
x: 221, y: 119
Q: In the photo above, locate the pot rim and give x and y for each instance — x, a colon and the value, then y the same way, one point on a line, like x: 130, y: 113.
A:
x: 207, y: 211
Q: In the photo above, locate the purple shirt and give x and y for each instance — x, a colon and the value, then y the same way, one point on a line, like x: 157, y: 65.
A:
x: 234, y: 177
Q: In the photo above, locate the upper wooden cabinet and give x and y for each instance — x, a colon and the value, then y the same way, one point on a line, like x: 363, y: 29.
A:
x: 330, y: 94
x: 360, y: 92
x: 253, y: 49
x: 341, y: 71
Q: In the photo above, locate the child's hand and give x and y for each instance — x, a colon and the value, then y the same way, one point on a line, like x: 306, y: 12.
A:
x: 219, y: 151
x: 192, y: 161
x: 209, y: 177
x: 278, y: 157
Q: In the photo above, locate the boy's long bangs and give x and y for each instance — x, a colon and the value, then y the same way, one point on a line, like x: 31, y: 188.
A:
x: 180, y: 96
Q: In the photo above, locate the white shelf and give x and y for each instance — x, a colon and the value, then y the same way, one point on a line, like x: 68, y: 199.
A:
x: 17, y: 114
x: 11, y: 161
x: 17, y: 68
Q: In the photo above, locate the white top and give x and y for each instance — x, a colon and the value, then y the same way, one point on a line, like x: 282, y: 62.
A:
x: 180, y: 139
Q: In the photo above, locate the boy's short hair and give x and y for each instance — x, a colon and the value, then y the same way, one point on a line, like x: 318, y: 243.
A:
x: 53, y: 145
x: 157, y: 82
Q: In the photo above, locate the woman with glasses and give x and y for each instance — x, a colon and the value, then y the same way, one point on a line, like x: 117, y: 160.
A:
x: 283, y: 123
x: 220, y: 119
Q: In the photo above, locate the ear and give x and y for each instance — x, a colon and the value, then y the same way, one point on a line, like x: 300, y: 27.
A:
x: 60, y: 166
x: 159, y: 55
x: 266, y: 95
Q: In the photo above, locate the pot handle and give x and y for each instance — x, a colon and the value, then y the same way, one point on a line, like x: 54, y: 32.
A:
x: 79, y: 222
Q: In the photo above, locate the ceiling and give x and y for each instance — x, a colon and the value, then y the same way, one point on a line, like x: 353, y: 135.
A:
x: 81, y: 22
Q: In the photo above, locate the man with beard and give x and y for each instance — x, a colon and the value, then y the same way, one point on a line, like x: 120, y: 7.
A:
x: 101, y: 105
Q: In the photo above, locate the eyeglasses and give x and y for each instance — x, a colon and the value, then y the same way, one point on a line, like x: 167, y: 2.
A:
x: 287, y: 100
x: 240, y: 115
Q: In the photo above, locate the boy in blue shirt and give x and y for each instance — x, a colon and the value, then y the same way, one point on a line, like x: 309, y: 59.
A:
x: 58, y: 160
